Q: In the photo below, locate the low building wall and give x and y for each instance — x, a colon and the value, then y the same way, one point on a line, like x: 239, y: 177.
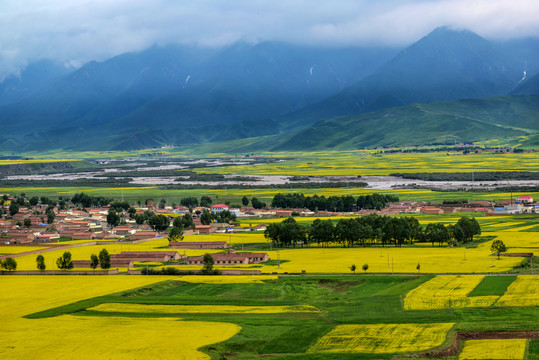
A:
x: 61, y: 272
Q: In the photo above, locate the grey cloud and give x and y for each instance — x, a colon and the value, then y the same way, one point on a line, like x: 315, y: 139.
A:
x: 78, y: 31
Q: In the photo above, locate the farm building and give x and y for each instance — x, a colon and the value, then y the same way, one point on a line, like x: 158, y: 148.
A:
x: 142, y: 235
x: 114, y: 263
x: 231, y: 257
x: 198, y: 245
x: 157, y: 256
x: 217, y: 208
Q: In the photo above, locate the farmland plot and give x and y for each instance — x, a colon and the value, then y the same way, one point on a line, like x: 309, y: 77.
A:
x: 447, y: 291
x: 493, y: 349
x: 524, y: 291
x: 382, y: 338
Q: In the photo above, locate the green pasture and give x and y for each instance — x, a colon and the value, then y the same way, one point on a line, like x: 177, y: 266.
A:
x: 234, y: 195
x: 340, y: 299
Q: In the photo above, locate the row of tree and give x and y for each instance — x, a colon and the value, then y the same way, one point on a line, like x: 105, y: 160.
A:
x: 373, y: 229
x: 333, y: 203
x: 64, y: 262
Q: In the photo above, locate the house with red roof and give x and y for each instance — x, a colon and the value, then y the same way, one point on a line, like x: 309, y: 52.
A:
x: 525, y: 199
x: 217, y: 208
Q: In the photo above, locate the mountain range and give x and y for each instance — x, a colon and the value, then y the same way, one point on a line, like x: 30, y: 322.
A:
x: 179, y: 95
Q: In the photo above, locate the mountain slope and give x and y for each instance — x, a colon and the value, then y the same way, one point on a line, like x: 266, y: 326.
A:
x: 462, y: 121
x: 444, y: 65
x: 30, y: 80
x: 190, y: 84
x: 528, y: 86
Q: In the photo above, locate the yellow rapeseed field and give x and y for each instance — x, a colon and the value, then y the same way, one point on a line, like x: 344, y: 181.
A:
x: 202, y: 309
x: 523, y: 228
x: 28, y: 262
x: 446, y: 291
x: 382, y: 338
x: 369, y: 163
x: 507, y: 224
x: 514, y: 239
x: 233, y: 239
x: 493, y: 349
x: 389, y: 259
x: 34, y: 161
x: 19, y: 249
x: 76, y: 337
x: 524, y: 291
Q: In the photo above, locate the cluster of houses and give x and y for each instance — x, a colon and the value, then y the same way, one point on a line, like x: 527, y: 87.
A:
x: 521, y: 205
x: 68, y: 224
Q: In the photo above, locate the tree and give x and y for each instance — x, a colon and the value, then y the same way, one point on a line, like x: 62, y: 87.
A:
x: 436, y: 232
x: 50, y: 217
x: 27, y: 222
x: 470, y: 227
x: 40, y: 260
x: 189, y: 202
x: 159, y: 222
x: 257, y: 204
x: 13, y: 209
x: 176, y: 234
x: 498, y: 247
x: 206, y: 217
x: 353, y: 268
x: 418, y: 267
x: 162, y: 203
x: 94, y: 261
x: 208, y: 262
x: 140, y: 219
x: 365, y: 267
x: 459, y: 234
x: 34, y: 200
x: 104, y: 259
x: 132, y: 211
x: 64, y: 262
x: 113, y: 219
x: 321, y: 232
x: 9, y: 264
x: 245, y: 200
x: 205, y: 201
x: 183, y: 222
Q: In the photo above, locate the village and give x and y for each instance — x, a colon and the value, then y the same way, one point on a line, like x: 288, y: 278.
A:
x: 52, y: 224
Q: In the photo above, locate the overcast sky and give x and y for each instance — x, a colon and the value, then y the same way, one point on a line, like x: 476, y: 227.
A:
x: 76, y: 31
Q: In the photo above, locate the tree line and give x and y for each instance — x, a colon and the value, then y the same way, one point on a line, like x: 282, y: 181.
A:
x: 346, y: 203
x: 370, y: 230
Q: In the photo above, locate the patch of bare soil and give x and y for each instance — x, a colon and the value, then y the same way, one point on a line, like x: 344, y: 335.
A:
x: 337, y: 285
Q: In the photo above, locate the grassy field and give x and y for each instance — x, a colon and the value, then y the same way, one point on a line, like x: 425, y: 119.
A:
x: 357, y: 317
x: 233, y: 195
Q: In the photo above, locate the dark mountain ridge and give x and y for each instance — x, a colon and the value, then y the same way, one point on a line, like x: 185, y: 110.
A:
x: 177, y: 95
